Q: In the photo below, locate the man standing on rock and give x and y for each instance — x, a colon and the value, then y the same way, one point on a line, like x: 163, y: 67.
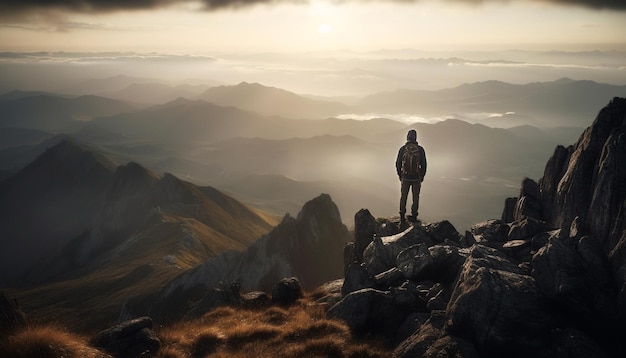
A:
x: 411, y: 169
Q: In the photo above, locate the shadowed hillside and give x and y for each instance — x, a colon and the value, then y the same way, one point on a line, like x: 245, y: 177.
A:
x: 106, y: 231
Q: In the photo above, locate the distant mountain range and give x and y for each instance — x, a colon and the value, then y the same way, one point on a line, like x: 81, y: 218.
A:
x: 559, y: 103
x: 54, y: 113
x: 564, y: 102
x: 272, y: 101
x: 75, y: 216
x: 210, y: 144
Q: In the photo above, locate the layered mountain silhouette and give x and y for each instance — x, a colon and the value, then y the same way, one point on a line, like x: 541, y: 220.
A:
x: 53, y: 112
x: 272, y: 101
x: 564, y: 102
x: 73, y: 216
x: 210, y: 144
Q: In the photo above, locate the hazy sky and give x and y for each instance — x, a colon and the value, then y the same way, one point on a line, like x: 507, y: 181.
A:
x: 202, y: 27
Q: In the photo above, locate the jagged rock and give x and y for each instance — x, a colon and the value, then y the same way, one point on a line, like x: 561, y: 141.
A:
x: 501, y: 311
x: 527, y: 228
x: 540, y: 240
x: 357, y: 278
x: 287, y: 291
x: 493, y: 259
x: 364, y: 230
x: 329, y: 293
x: 548, y: 183
x: 490, y: 231
x: 380, y: 255
x: 309, y: 247
x: 387, y: 227
x: 519, y: 249
x: 432, y: 341
x: 579, y: 285
x: 134, y: 338
x: 11, y: 316
x: 408, y: 297
x: 438, y: 297
x: 468, y: 240
x: 508, y: 213
x: 441, y: 231
x: 439, y: 263
x: 587, y: 180
x: 348, y: 256
x: 390, y: 278
x: 529, y: 201
x: 369, y: 311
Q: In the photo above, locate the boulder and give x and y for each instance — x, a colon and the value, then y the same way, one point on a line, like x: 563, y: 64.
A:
x: 408, y: 297
x: 287, y: 291
x: 357, y: 278
x: 441, y: 231
x: 369, y: 311
x: 529, y: 201
x: 527, y: 228
x: 134, y: 338
x: 431, y: 340
x: 364, y: 231
x: 329, y: 293
x: 508, y: 213
x: 255, y: 299
x: 439, y: 263
x: 500, y: 311
x: 577, y: 278
x: 380, y: 255
x: 490, y: 231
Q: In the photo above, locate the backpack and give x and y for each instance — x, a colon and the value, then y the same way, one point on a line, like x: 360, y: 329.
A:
x: 411, y: 160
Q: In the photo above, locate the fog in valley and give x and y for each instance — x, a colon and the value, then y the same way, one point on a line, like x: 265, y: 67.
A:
x: 275, y: 130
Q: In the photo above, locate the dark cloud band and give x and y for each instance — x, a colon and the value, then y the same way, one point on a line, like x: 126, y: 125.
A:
x: 94, y: 6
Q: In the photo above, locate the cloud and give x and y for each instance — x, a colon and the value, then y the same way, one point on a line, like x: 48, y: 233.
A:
x: 17, y: 9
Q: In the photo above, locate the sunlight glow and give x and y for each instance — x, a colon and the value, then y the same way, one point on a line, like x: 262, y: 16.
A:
x: 325, y: 29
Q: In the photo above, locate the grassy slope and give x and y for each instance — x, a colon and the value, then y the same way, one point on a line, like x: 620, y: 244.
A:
x: 92, y: 298
x: 300, y: 330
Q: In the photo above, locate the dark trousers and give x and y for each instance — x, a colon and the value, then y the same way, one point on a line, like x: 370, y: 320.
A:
x: 415, y: 185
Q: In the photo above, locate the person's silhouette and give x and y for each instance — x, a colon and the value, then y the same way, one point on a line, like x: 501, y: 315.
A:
x: 411, y: 169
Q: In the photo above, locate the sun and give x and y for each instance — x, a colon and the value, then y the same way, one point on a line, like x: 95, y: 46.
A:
x: 324, y: 29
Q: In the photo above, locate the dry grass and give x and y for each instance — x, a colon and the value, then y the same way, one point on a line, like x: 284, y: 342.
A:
x: 47, y: 342
x: 301, y: 330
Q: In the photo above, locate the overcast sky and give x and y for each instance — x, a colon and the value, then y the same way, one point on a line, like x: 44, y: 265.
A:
x: 202, y: 27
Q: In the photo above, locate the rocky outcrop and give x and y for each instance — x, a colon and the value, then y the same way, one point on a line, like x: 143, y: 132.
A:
x: 130, y: 339
x: 588, y: 181
x: 308, y: 247
x: 547, y: 280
